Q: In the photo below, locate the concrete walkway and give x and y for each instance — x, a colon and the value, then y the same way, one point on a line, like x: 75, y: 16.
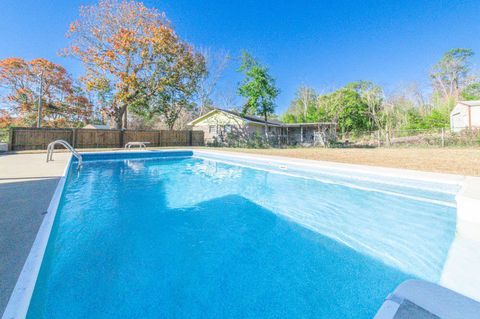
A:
x: 27, y: 184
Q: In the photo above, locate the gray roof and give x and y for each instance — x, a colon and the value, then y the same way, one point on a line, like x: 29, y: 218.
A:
x: 260, y: 120
x: 252, y: 118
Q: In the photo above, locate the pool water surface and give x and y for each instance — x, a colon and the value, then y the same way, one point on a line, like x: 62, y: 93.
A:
x: 194, y: 237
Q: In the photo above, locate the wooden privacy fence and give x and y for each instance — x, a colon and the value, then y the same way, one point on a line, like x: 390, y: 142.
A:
x: 22, y: 138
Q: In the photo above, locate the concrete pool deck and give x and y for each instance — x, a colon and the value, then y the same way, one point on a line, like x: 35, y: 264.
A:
x: 27, y: 184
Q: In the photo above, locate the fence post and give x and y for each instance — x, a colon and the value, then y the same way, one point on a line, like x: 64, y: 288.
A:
x: 443, y: 137
x: 74, y: 137
x: 190, y: 134
x: 122, y: 137
x: 10, y: 139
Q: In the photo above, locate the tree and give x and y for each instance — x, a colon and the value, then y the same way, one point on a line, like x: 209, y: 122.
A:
x: 471, y: 92
x: 451, y: 74
x: 372, y: 96
x: 6, y: 119
x: 172, y: 84
x: 63, y: 102
x: 258, y: 88
x: 216, y: 62
x: 121, y: 43
x: 176, y: 97
x: 303, y: 106
x: 346, y: 108
x: 289, y: 118
x: 306, y: 96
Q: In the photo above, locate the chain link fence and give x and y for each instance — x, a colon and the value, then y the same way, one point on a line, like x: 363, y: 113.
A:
x: 366, y: 139
x: 410, y: 138
x: 255, y: 140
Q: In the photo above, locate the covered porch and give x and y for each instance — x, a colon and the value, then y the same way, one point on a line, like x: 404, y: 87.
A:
x: 308, y: 133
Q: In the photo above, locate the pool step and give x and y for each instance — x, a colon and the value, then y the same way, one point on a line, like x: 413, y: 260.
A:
x: 417, y: 299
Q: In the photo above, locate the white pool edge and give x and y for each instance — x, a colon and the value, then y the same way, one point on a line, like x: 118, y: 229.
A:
x: 357, y: 168
x: 468, y: 217
x: 468, y: 208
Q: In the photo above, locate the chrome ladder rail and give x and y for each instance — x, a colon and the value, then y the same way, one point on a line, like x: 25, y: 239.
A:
x: 65, y: 144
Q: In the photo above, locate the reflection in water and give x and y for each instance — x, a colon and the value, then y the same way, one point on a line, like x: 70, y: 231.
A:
x: 214, y: 171
x: 410, y: 235
x: 135, y: 166
x: 417, y: 237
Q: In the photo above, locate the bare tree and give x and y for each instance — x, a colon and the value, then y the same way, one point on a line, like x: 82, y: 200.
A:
x: 418, y: 97
x: 305, y: 100
x: 228, y: 98
x: 452, y: 73
x: 216, y: 64
x: 306, y: 97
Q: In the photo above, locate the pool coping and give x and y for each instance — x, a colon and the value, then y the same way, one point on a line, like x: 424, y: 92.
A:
x: 375, y: 170
x: 467, y: 200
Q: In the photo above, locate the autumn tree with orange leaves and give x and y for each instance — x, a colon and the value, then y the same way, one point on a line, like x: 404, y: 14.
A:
x: 129, y: 52
x: 63, y: 103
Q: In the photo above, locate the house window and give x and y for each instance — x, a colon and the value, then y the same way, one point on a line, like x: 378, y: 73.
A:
x: 227, y: 129
x: 212, y: 129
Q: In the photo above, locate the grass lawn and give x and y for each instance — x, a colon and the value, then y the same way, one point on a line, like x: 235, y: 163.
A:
x: 464, y: 161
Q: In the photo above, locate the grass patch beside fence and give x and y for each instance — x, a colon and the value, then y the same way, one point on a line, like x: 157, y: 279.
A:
x: 464, y: 161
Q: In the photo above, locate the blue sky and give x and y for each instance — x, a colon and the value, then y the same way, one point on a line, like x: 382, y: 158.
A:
x: 323, y: 44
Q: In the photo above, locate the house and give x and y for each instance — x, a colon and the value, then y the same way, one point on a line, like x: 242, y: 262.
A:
x: 230, y: 127
x: 97, y: 127
x: 465, y: 115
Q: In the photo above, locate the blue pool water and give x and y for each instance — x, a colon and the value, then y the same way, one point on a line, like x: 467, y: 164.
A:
x: 197, y: 238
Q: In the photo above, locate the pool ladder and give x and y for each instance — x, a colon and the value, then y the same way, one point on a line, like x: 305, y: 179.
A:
x: 65, y: 144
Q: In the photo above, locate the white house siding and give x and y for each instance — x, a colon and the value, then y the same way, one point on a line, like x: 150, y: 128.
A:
x: 218, y: 125
x: 259, y: 129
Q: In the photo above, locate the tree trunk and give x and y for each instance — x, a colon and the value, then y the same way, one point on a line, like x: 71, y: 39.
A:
x: 125, y: 119
x: 118, y: 121
x: 266, y: 127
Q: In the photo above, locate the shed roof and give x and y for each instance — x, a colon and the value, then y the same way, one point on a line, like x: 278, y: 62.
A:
x: 470, y: 103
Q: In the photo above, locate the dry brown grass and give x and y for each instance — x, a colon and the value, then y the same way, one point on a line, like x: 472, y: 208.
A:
x: 464, y: 161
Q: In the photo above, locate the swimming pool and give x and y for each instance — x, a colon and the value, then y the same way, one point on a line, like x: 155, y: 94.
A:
x: 195, y: 235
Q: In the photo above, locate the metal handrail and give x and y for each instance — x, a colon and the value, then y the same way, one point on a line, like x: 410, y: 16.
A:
x: 65, y: 144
